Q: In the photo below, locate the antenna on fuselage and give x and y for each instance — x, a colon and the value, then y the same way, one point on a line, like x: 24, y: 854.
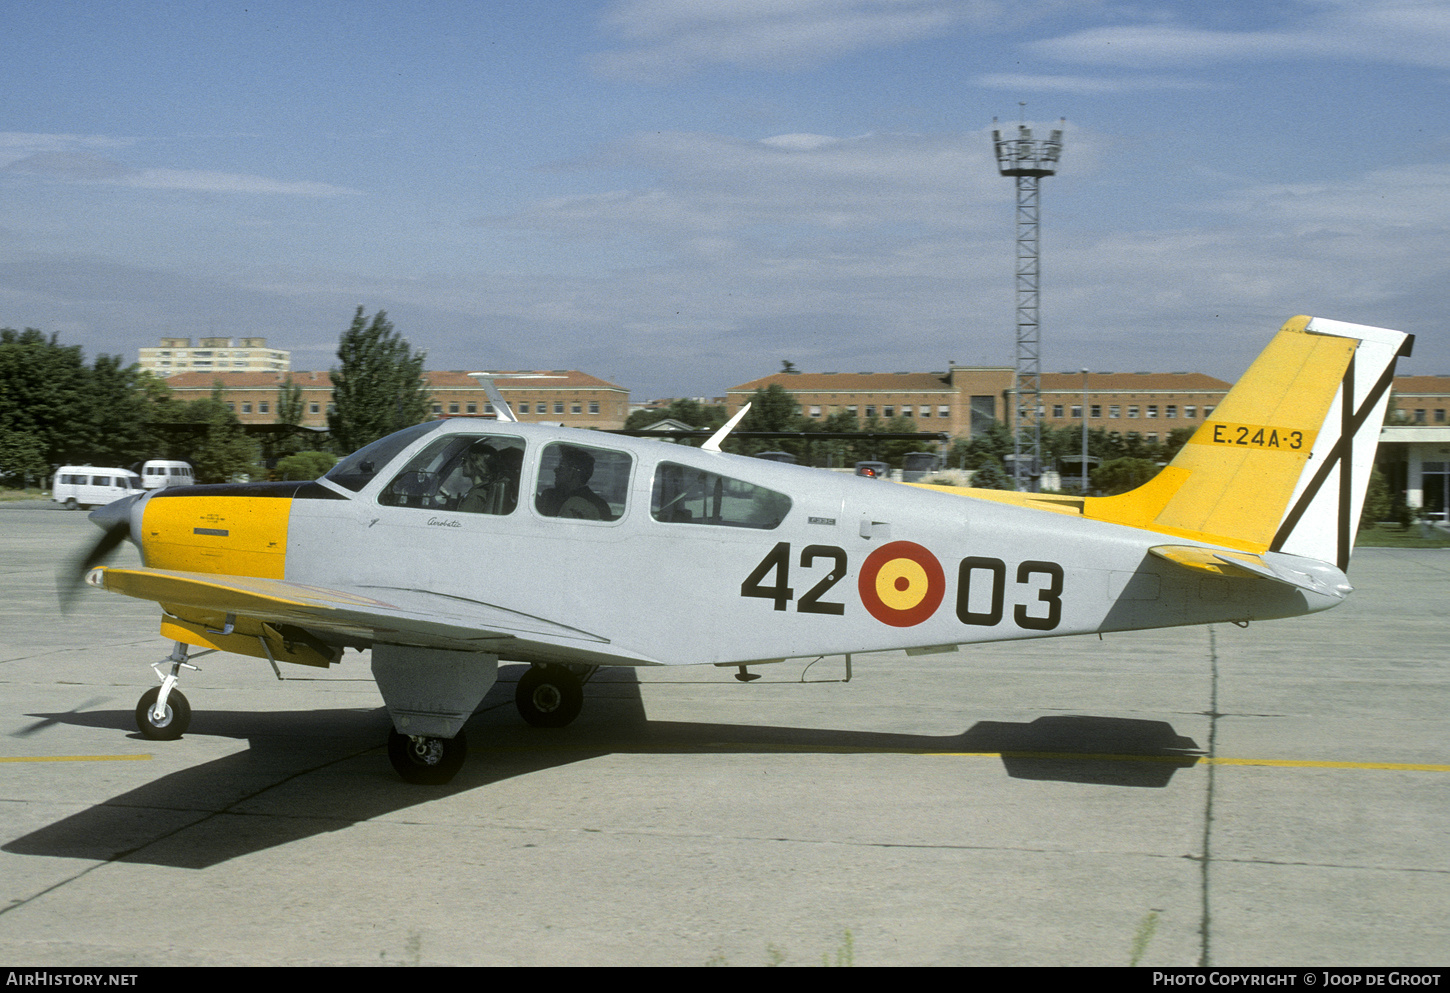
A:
x: 713, y: 445
x: 501, y: 408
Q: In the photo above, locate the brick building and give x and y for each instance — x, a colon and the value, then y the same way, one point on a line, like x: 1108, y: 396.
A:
x: 966, y: 399
x: 565, y: 396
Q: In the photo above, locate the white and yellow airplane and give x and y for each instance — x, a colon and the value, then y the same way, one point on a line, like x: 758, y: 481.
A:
x: 453, y: 544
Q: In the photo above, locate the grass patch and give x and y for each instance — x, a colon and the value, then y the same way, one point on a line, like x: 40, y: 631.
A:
x: 1144, y: 934
x: 7, y: 495
x: 1394, y: 536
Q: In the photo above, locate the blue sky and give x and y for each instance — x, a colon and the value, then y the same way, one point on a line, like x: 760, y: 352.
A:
x: 677, y: 196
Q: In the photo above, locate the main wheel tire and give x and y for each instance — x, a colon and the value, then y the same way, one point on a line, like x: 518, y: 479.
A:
x: 70, y: 504
x: 175, y: 722
x: 549, y: 696
x: 427, y: 761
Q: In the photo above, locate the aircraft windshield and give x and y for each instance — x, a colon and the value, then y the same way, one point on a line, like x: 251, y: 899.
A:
x: 359, y: 468
x: 683, y: 495
x: 463, y: 472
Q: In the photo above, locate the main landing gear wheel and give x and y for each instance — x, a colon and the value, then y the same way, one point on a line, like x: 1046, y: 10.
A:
x: 549, y: 696
x: 427, y: 761
x: 173, y: 722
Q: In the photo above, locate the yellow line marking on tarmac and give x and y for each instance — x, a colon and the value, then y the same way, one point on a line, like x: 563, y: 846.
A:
x: 1205, y: 760
x: 1316, y: 764
x: 73, y: 758
x: 1185, y: 760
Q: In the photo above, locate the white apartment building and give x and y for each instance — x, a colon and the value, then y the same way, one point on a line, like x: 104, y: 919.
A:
x: 176, y: 355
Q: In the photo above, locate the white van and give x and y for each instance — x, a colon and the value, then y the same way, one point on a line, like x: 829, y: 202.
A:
x: 158, y: 473
x: 82, y: 486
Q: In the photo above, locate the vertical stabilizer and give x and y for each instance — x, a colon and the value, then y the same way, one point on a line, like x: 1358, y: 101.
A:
x: 1284, y: 461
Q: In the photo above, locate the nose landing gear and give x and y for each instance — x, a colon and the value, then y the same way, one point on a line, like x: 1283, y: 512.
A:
x: 163, y: 713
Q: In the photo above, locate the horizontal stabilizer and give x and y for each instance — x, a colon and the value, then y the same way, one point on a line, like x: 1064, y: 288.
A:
x: 1246, y: 565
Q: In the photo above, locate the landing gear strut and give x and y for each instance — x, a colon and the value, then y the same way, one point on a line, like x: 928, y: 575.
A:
x: 163, y: 714
x: 549, y: 696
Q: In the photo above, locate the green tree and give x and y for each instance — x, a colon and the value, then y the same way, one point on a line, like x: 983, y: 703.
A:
x: 169, y: 434
x: 289, y: 402
x: 986, y: 446
x: 684, y: 410
x: 116, y: 413
x: 1122, y: 475
x: 894, y: 452
x: 289, y: 415
x: 305, y: 465
x: 772, y: 408
x: 840, y: 452
x: 379, y: 388
x: 991, y: 476
x: 22, y: 459
x: 1177, y: 438
x: 220, y: 451
x: 1377, y: 503
x: 43, y: 407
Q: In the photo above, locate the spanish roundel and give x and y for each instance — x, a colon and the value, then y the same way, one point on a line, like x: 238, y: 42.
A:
x: 901, y: 584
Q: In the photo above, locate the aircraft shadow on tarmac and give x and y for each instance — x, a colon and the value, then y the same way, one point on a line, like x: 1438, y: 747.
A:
x: 259, y: 799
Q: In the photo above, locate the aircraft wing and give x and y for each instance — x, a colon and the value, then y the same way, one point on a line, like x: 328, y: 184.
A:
x: 218, y: 606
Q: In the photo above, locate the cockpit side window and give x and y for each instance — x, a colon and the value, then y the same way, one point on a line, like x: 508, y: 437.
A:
x: 582, y: 483
x: 465, y: 473
x: 359, y: 468
x: 684, y: 495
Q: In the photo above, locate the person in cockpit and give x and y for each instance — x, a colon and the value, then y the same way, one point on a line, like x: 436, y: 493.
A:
x: 494, y: 473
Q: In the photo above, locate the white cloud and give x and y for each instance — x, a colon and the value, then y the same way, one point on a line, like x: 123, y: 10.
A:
x: 1405, y: 32
x: 1393, y: 199
x: 800, y: 142
x: 666, y: 39
x: 16, y: 145
x: 712, y: 185
x: 890, y: 250
x: 74, y: 159
x: 203, y: 181
x: 1084, y: 85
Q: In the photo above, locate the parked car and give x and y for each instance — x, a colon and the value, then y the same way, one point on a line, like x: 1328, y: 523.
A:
x: 917, y: 465
x: 873, y: 470
x: 157, y: 473
x: 82, y: 486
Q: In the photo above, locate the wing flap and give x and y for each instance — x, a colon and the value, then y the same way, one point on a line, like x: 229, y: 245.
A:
x: 388, y: 615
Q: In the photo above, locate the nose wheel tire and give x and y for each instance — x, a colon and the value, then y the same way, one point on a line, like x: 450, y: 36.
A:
x: 173, y: 722
x: 426, y: 761
x: 549, y: 696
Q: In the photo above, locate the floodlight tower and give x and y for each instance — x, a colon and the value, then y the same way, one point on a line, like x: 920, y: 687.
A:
x: 1027, y: 159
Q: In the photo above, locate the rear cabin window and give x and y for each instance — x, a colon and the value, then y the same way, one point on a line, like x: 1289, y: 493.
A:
x: 684, y: 495
x: 582, y: 483
x: 470, y: 474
